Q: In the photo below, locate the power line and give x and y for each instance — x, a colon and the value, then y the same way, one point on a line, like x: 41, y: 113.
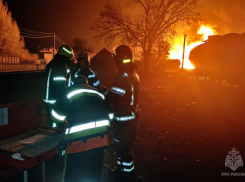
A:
x: 36, y: 34
x: 35, y: 37
x: 28, y: 33
x: 33, y: 31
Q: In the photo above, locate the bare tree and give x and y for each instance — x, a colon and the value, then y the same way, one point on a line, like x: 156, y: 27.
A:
x: 161, y: 50
x: 80, y: 45
x: 157, y: 19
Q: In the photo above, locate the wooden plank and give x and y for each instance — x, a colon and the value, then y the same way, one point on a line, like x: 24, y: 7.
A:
x: 13, y: 144
x: 39, y: 148
x: 12, y: 139
x: 26, y: 134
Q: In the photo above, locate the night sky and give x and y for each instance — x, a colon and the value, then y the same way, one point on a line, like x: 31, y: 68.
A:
x: 63, y: 17
x: 74, y: 17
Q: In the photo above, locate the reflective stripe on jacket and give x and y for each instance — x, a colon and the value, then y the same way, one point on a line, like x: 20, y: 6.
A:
x: 90, y: 74
x: 57, y: 78
x: 123, y: 95
x: 87, y: 115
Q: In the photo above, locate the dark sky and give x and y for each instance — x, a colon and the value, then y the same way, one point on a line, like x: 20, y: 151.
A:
x: 69, y: 18
x: 66, y: 18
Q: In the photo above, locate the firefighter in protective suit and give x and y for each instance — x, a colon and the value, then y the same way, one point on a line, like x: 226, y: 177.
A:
x: 87, y: 118
x: 123, y: 97
x: 85, y: 70
x: 57, y: 77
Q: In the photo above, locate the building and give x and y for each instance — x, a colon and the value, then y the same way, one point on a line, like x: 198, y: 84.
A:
x: 47, y: 54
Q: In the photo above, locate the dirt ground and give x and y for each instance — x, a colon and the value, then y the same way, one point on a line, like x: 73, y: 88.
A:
x: 186, y: 129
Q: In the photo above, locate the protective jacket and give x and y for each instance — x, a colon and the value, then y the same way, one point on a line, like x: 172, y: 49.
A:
x: 124, y: 95
x: 124, y: 99
x: 57, y: 78
x: 90, y: 74
x: 87, y: 116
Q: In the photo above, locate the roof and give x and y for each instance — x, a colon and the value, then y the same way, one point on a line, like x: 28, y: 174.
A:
x: 103, y: 53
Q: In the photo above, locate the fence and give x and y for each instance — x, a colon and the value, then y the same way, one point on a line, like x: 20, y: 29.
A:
x: 21, y: 67
x: 9, y: 60
x: 9, y: 64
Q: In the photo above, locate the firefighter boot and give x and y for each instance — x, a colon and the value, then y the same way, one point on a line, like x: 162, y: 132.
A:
x: 127, y: 172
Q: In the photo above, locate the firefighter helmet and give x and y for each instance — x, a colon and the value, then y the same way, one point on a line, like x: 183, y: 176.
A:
x: 66, y: 51
x: 83, y: 56
x: 123, y: 57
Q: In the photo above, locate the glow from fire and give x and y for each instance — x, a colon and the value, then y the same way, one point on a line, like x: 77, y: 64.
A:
x: 205, y: 31
x: 177, y: 51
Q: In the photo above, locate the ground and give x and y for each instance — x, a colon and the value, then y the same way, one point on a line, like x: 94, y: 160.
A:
x: 185, y: 131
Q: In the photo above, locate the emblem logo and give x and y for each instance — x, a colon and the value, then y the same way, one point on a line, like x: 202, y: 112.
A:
x: 233, y: 159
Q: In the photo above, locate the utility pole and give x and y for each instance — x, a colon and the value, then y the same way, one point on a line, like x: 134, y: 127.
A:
x: 183, y: 58
x: 53, y: 45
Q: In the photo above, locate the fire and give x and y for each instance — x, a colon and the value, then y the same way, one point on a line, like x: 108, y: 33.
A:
x: 177, y: 52
x: 205, y: 31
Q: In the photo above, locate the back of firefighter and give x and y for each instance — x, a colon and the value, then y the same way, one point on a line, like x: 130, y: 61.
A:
x: 123, y: 96
x: 87, y: 133
x: 57, y: 77
x: 85, y: 70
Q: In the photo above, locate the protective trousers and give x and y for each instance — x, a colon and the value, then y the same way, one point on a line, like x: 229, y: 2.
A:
x: 124, y: 134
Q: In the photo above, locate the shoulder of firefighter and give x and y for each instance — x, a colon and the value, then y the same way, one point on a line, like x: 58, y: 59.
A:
x: 123, y: 96
x: 87, y: 117
x: 91, y: 75
x: 57, y: 78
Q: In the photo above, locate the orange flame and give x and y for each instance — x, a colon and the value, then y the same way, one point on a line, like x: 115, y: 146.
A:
x: 206, y: 31
x: 177, y: 52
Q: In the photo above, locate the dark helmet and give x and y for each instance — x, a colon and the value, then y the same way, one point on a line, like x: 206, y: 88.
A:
x: 80, y: 80
x: 123, y: 57
x: 83, y: 56
x: 66, y: 51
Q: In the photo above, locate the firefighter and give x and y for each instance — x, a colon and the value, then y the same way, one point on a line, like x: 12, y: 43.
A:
x: 85, y: 70
x: 123, y: 97
x: 57, y: 77
x: 87, y: 117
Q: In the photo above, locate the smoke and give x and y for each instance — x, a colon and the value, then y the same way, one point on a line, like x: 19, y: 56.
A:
x: 226, y: 16
x: 223, y: 16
